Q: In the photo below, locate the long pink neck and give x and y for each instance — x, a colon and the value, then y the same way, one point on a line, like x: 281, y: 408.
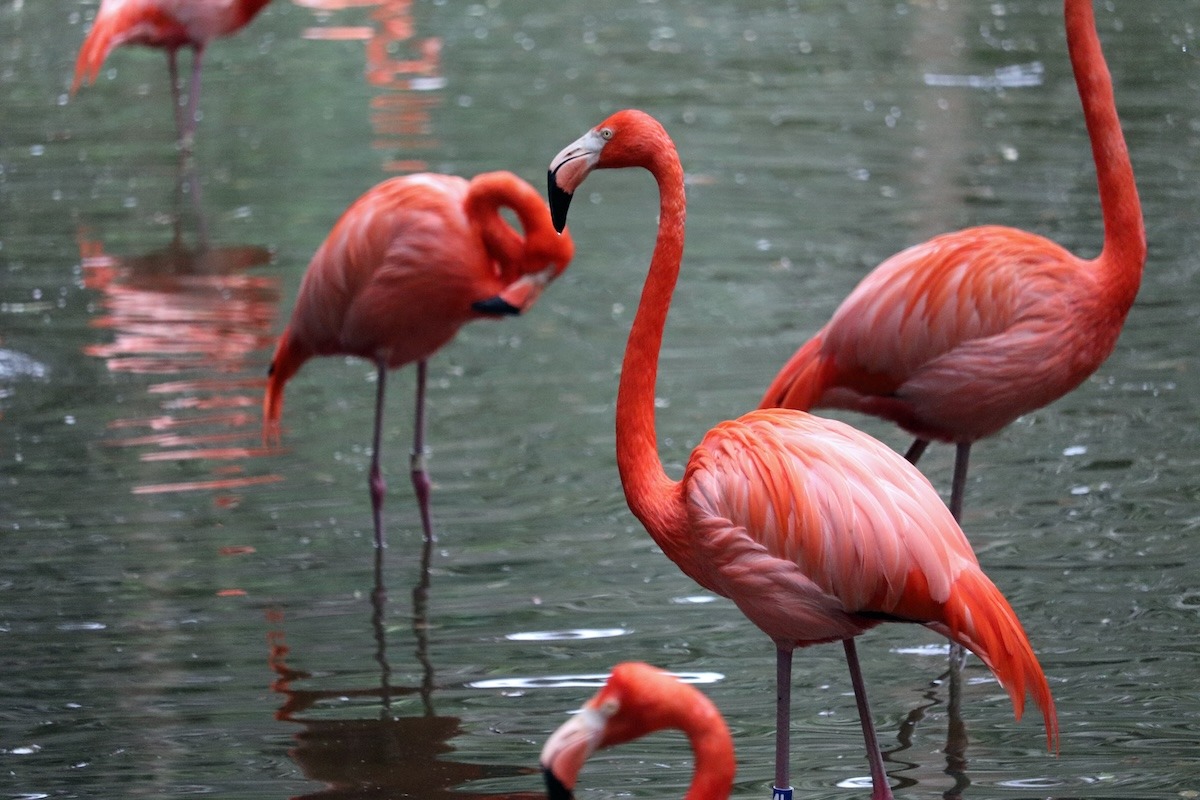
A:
x: 487, y: 195
x: 714, y: 764
x: 1124, y: 250
x: 652, y: 495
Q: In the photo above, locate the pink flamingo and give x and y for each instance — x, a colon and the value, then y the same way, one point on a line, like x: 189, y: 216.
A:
x: 407, y: 265
x: 955, y: 338
x: 637, y: 700
x: 816, y: 531
x: 169, y: 24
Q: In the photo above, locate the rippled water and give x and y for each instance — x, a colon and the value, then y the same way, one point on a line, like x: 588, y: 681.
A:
x: 185, y: 611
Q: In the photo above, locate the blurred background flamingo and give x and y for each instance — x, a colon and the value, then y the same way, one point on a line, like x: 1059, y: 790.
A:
x: 169, y: 24
x: 815, y: 530
x: 955, y: 338
x: 404, y: 268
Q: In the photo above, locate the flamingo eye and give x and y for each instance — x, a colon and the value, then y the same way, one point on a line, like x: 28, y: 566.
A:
x: 608, y: 708
x: 606, y: 133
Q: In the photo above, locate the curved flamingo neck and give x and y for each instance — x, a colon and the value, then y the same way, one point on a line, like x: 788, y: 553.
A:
x: 714, y: 765
x: 485, y: 197
x: 653, y: 497
x: 1124, y: 250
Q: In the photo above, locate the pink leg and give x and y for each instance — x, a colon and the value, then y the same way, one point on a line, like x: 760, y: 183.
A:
x: 375, y: 479
x: 420, y: 477
x: 880, y: 788
x: 782, y: 790
x: 173, y: 71
x: 187, y: 134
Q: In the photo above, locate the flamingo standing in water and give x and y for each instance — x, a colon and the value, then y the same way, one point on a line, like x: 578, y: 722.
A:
x: 636, y: 700
x: 169, y: 24
x: 815, y: 530
x: 955, y: 338
x: 404, y: 268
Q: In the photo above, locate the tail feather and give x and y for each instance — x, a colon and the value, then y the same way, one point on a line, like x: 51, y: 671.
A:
x: 289, y: 356
x: 979, y: 618
x: 100, y: 41
x: 802, y: 380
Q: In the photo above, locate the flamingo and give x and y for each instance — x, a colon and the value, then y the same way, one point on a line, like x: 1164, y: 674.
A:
x: 955, y: 338
x: 816, y: 531
x: 636, y: 700
x: 169, y: 24
x: 405, y: 266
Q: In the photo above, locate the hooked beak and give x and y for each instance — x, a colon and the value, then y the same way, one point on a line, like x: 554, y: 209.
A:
x: 567, y: 749
x: 567, y: 170
x: 560, y: 201
x: 495, y: 307
x: 519, y: 296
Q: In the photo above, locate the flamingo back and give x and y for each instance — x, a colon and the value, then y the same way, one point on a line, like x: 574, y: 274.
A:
x: 956, y: 337
x: 819, y: 532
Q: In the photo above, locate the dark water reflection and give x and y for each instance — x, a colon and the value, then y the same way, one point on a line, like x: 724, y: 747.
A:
x: 152, y: 545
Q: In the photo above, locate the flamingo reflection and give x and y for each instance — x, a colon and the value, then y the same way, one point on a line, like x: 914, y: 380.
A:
x: 384, y: 755
x: 404, y: 67
x: 196, y: 317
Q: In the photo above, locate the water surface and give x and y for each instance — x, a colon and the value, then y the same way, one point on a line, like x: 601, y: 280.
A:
x: 185, y: 611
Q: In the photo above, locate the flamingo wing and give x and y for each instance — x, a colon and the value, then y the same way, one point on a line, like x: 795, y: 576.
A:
x: 818, y: 532
x: 788, y: 508
x: 396, y: 275
x: 971, y: 315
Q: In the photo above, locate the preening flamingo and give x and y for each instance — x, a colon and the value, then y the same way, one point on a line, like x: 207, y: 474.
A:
x: 404, y: 268
x: 169, y: 24
x: 637, y: 700
x: 815, y: 530
x: 955, y: 338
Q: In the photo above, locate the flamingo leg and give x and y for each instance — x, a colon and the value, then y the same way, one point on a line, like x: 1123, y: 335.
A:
x: 173, y: 72
x: 420, y: 476
x: 187, y: 133
x: 782, y: 790
x: 916, y: 450
x: 880, y: 788
x: 375, y: 479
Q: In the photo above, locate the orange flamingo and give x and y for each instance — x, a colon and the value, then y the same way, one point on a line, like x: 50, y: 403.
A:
x: 815, y: 530
x: 404, y: 268
x: 169, y: 24
x: 955, y: 338
x: 637, y: 700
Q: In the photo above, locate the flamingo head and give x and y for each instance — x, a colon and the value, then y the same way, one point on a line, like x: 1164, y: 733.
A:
x: 629, y: 138
x: 637, y: 699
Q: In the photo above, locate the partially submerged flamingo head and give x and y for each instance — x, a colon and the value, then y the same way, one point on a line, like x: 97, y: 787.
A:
x: 637, y: 699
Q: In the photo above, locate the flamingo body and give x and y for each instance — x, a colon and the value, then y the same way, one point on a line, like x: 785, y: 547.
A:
x: 165, y: 24
x: 637, y: 700
x: 955, y: 338
x: 406, y: 265
x: 815, y: 530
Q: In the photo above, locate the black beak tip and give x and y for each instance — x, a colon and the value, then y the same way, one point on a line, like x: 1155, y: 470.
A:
x: 560, y: 201
x: 496, y: 307
x: 554, y: 787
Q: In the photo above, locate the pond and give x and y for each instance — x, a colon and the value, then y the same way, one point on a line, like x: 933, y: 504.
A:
x: 185, y: 610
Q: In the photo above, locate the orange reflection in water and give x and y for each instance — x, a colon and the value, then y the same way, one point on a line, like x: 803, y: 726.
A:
x: 199, y: 316
x: 404, y: 67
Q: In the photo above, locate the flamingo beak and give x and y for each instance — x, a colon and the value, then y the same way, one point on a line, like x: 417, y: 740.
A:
x: 567, y: 170
x: 560, y: 201
x: 495, y: 307
x: 519, y: 296
x: 568, y: 748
